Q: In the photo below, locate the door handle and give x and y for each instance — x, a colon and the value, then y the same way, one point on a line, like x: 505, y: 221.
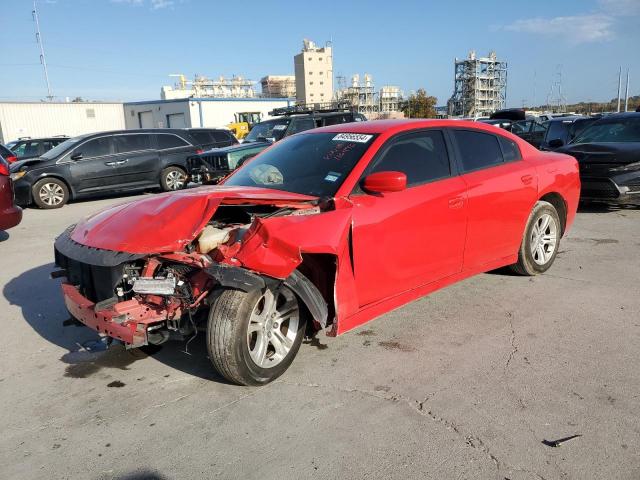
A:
x: 456, y: 202
x: 119, y: 162
x: 526, y: 179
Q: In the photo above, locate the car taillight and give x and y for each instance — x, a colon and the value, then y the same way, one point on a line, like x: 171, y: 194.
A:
x: 12, y: 158
x: 199, y: 151
x: 4, y: 168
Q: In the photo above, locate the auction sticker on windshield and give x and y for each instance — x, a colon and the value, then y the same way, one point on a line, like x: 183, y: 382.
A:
x: 352, y: 137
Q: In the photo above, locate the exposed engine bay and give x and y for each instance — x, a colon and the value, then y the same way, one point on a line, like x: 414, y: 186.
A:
x: 148, y: 299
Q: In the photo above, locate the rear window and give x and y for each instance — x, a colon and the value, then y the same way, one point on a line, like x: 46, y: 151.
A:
x: 202, y: 137
x: 170, y: 141
x: 478, y: 150
x: 221, y: 136
x: 132, y: 143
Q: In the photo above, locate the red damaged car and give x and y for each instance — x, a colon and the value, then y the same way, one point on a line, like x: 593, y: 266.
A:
x: 325, y: 229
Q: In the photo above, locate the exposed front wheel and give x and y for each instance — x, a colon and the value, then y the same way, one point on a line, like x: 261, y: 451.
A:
x: 50, y: 193
x: 173, y: 178
x: 253, y: 337
x: 541, y: 240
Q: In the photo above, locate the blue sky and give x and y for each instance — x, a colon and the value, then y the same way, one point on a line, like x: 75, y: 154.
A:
x: 125, y: 49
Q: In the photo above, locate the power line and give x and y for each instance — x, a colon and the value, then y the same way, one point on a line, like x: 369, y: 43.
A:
x: 43, y: 60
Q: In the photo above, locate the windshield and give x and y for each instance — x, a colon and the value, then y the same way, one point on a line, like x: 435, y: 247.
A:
x: 10, y: 145
x: 61, y: 148
x: 270, y: 129
x: 618, y: 130
x: 310, y: 164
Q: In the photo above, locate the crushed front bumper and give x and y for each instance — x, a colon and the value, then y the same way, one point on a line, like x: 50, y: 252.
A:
x: 127, y: 321
x: 610, y: 189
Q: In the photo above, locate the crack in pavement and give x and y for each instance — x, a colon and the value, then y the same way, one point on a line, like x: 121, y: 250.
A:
x: 514, y: 347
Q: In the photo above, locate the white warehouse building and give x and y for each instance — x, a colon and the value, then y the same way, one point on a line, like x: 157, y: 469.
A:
x: 196, y: 112
x: 48, y: 119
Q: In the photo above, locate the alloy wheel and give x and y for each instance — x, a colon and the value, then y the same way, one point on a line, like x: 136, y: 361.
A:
x: 273, y: 327
x: 544, y: 239
x: 51, y: 194
x: 175, y: 180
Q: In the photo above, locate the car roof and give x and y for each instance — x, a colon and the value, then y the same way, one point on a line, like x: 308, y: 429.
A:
x: 398, y: 125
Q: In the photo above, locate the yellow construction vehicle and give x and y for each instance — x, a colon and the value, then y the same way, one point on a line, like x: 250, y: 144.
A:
x: 243, y: 123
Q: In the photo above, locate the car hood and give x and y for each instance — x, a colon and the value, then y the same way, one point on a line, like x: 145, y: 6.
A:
x: 27, y: 162
x: 167, y: 222
x: 618, y: 153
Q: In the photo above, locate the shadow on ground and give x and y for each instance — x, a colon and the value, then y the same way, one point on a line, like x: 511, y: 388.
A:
x: 140, y: 475
x: 604, y: 207
x: 4, y: 235
x: 43, y: 309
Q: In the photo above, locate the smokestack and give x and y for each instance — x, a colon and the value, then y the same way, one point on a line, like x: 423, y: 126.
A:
x: 626, y: 94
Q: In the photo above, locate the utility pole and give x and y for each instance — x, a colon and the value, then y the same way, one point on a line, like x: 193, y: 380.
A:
x: 619, y: 86
x: 43, y: 60
x: 626, y: 94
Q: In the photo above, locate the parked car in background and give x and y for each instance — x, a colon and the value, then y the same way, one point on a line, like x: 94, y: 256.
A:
x: 498, y: 122
x: 110, y: 162
x: 10, y: 214
x: 25, y: 148
x: 561, y: 130
x: 7, y: 154
x: 608, y: 152
x: 211, y: 166
x: 530, y: 130
x: 326, y: 229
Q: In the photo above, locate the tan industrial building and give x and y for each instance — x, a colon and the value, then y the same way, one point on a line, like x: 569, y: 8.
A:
x: 47, y: 119
x: 314, y: 73
x: 278, y: 86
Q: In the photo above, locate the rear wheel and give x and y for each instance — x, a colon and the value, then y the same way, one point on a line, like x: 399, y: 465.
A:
x: 50, y: 193
x: 541, y: 240
x: 173, y: 178
x: 253, y: 337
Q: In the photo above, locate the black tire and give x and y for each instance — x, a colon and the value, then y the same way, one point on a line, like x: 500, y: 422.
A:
x: 50, y: 193
x: 168, y: 179
x: 228, y: 338
x: 527, y: 263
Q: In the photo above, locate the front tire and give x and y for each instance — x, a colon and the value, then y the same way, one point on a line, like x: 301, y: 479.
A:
x: 253, y: 337
x: 50, y: 193
x: 173, y: 178
x: 541, y: 240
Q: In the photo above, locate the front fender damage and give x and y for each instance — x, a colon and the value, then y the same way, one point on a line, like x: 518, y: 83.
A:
x: 242, y: 279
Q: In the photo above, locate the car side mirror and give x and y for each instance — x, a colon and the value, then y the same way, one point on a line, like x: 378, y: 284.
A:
x: 556, y: 143
x: 77, y: 156
x: 382, y: 182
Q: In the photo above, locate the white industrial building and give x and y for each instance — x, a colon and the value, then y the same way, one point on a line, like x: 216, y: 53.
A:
x: 47, y: 119
x: 195, y: 112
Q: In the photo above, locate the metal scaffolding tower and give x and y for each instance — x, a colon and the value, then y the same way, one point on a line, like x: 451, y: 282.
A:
x: 480, y: 86
x: 360, y: 95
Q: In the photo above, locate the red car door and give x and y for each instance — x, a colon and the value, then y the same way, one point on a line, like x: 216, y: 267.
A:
x: 405, y: 239
x: 501, y: 189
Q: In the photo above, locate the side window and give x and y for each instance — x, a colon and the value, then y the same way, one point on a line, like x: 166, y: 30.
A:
x: 421, y: 156
x: 520, y: 127
x: 132, y: 143
x: 19, y: 149
x: 537, y: 127
x: 95, y: 148
x: 47, y: 145
x: 301, y: 124
x: 510, y: 150
x: 219, y: 136
x: 170, y: 141
x: 32, y: 149
x: 202, y: 137
x: 477, y: 150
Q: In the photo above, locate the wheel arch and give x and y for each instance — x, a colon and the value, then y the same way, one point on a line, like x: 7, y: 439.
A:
x: 44, y: 176
x: 560, y: 204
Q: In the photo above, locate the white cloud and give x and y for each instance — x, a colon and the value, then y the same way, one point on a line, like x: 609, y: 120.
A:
x: 575, y: 29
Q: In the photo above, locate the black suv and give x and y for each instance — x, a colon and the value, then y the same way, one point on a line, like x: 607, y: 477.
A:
x: 109, y: 162
x: 211, y: 166
x: 608, y: 152
x: 26, y: 147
